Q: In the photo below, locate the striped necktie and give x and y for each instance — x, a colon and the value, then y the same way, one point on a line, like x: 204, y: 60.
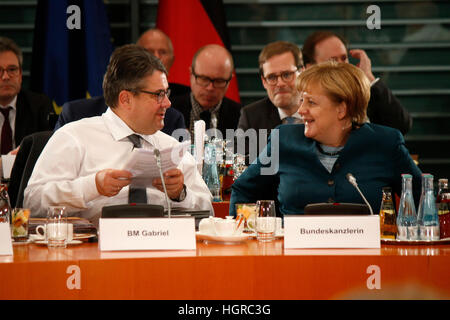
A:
x: 136, y: 195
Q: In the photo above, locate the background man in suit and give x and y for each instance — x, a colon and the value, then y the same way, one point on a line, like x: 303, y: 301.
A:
x: 22, y: 112
x: 280, y: 63
x: 211, y: 72
x: 157, y: 43
x: 384, y: 108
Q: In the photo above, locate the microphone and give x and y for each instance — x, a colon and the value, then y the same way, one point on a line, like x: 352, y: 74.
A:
x: 352, y: 181
x: 158, y: 163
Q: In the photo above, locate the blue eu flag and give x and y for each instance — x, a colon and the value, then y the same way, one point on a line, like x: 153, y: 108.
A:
x: 71, y: 49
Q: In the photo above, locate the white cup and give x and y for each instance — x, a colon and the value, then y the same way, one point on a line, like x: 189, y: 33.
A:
x: 206, y: 225
x: 227, y: 227
x: 56, y: 230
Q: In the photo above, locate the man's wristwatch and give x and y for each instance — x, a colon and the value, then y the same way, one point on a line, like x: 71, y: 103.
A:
x: 182, y: 195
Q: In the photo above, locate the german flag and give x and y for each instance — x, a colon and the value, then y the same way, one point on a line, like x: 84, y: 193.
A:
x: 192, y: 24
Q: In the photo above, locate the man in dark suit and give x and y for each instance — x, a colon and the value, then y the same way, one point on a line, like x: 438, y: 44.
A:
x: 85, y: 108
x: 211, y: 72
x: 22, y: 112
x: 157, y: 43
x: 384, y: 108
x: 280, y: 63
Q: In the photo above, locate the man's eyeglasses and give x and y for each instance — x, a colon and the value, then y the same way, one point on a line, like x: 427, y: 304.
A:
x: 160, y: 94
x: 286, y: 76
x: 205, y: 81
x: 11, y: 71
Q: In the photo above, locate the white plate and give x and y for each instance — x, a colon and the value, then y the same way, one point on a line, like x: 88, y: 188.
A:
x: 224, y: 239
x: 73, y: 242
x: 76, y: 236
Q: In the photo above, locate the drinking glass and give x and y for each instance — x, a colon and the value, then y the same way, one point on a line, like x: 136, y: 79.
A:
x: 56, y: 227
x: 265, y: 220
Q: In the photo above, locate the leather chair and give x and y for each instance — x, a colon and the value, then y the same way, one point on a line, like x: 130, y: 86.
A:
x: 29, y: 151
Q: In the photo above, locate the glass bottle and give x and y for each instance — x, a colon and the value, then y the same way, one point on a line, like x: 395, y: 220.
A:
x: 5, y: 205
x: 388, y: 226
x: 210, y: 173
x: 407, y: 219
x: 443, y: 204
x: 427, y: 217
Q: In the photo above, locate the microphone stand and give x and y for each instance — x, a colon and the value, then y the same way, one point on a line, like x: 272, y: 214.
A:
x: 158, y: 163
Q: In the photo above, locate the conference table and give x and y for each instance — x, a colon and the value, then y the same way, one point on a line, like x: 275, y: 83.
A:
x: 247, y: 270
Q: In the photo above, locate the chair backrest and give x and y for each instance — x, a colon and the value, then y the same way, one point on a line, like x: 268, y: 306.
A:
x: 29, y: 151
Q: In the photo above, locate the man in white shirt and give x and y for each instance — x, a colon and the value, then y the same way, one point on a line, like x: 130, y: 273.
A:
x: 80, y: 167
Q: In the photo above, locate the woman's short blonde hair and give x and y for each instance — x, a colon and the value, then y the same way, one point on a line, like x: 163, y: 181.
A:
x: 342, y: 82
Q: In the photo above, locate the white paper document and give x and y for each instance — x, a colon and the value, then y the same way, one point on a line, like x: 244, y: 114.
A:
x: 143, y: 167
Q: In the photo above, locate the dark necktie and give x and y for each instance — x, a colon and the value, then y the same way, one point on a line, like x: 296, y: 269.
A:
x: 6, y: 132
x: 206, y: 116
x: 136, y: 195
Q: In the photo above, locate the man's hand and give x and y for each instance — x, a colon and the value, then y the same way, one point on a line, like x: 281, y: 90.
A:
x: 109, y: 182
x: 364, y: 62
x: 174, y: 180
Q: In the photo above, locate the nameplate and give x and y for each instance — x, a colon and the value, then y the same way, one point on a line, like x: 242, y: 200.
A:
x: 332, y: 231
x: 147, y: 234
x: 5, y: 240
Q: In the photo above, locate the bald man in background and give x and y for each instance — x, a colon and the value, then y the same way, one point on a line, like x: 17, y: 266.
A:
x: 210, y: 75
x: 157, y: 43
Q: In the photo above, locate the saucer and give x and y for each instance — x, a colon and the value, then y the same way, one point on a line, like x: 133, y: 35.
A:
x: 76, y: 236
x: 222, y: 239
x: 71, y: 243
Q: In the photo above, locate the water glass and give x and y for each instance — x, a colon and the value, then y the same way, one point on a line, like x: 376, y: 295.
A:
x: 265, y: 220
x: 57, y: 227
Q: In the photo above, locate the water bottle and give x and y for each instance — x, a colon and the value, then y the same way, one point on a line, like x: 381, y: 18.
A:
x: 5, y: 205
x: 210, y: 172
x: 427, y: 216
x: 388, y: 225
x: 443, y: 204
x: 407, y: 219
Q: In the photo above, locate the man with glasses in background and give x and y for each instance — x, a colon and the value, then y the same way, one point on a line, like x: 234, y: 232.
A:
x: 280, y: 63
x: 211, y: 72
x: 81, y: 165
x: 22, y: 112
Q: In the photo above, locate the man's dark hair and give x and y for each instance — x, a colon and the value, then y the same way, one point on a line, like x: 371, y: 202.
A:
x: 280, y: 47
x: 127, y: 67
x: 7, y: 44
x: 309, y: 46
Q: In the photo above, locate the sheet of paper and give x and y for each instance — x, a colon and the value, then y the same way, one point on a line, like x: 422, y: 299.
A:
x: 142, y: 163
x: 7, y: 164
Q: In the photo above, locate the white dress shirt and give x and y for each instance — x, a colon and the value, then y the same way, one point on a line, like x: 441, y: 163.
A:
x: 65, y: 172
